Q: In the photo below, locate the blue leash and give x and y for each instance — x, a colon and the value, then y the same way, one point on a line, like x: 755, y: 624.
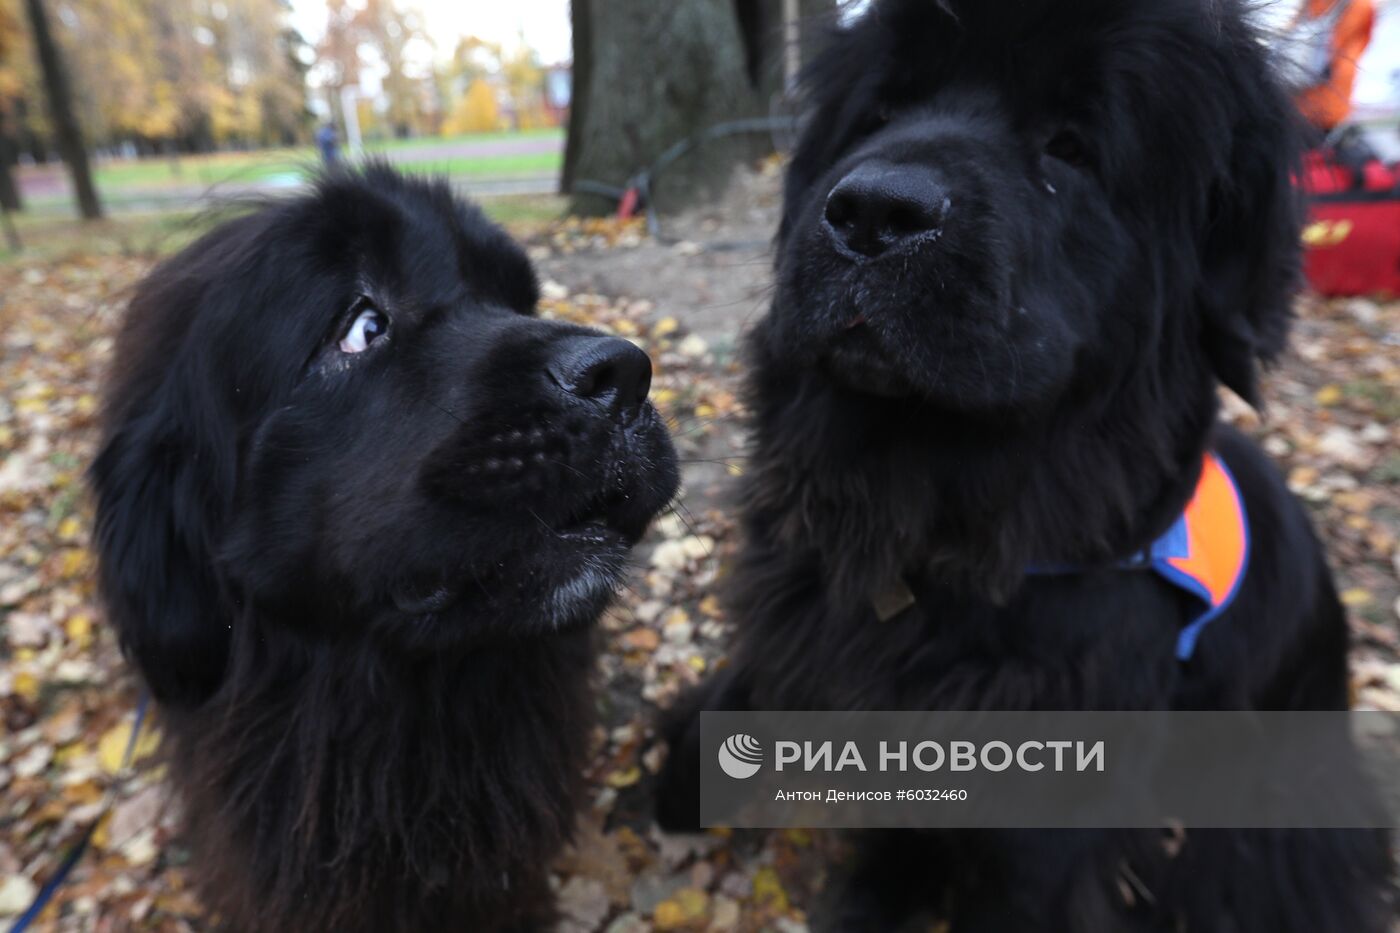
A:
x: 50, y: 888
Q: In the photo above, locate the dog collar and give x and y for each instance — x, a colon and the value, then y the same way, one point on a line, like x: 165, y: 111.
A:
x: 1205, y: 552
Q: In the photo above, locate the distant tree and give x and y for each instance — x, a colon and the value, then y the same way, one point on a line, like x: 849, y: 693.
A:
x: 476, y: 111
x: 67, y: 134
x: 647, y: 75
x: 287, y: 119
x: 389, y: 29
x: 378, y: 32
x: 473, y: 58
x: 11, y: 87
x: 338, y: 56
x: 517, y: 76
x: 253, y: 58
x: 169, y: 76
x: 524, y: 80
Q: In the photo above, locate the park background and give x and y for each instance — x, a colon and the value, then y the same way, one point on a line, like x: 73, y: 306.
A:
x: 546, y: 111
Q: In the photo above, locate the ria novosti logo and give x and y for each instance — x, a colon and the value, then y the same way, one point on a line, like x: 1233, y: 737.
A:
x: 741, y: 756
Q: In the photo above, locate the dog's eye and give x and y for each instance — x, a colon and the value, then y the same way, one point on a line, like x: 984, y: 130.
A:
x: 1069, y: 147
x: 368, y: 326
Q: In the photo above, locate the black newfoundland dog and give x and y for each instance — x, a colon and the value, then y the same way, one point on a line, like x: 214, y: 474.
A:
x: 357, y: 508
x: 1022, y: 242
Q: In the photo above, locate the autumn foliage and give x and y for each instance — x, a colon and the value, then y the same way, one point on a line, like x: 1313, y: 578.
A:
x: 167, y: 76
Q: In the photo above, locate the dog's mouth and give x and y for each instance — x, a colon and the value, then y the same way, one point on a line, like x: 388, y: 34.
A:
x: 563, y: 551
x: 591, y: 550
x: 593, y: 538
x: 564, y: 580
x: 603, y: 519
x: 856, y: 360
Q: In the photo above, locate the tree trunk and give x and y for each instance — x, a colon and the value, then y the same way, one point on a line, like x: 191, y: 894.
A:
x: 30, y: 142
x: 12, y: 239
x: 648, y: 75
x: 9, y: 191
x: 67, y: 134
x: 10, y: 199
x: 581, y: 21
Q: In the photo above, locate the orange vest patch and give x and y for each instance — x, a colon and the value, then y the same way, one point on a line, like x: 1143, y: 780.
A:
x: 1206, y: 552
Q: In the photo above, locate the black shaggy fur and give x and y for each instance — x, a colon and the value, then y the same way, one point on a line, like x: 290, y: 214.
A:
x: 361, y: 584
x: 1025, y: 373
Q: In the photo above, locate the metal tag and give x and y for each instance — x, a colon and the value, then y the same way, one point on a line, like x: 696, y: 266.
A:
x: 892, y: 600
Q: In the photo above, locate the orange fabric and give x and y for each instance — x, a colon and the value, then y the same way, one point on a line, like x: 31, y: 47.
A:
x: 1216, y: 530
x: 1328, y: 105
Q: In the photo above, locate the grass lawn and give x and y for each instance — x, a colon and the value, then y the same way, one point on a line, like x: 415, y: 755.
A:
x: 48, y: 237
x: 503, y: 166
x: 121, y: 179
x: 400, y: 145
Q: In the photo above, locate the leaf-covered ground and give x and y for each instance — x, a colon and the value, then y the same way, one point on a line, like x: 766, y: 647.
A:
x: 66, y: 700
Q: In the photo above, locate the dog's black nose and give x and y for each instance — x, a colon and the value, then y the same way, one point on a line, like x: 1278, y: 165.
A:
x: 609, y: 370
x: 880, y: 206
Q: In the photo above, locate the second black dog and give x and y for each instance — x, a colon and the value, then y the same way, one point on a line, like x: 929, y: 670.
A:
x: 1021, y: 244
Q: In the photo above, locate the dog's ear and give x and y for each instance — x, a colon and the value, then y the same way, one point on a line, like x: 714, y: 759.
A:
x: 1251, y: 254
x: 161, y: 480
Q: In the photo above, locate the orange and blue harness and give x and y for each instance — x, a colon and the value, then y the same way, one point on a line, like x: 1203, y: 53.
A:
x: 1205, y: 552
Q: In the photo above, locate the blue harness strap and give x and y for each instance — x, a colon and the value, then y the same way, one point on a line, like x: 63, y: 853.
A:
x: 65, y: 868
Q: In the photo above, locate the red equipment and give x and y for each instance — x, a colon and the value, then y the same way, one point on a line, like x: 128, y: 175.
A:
x: 1353, y: 230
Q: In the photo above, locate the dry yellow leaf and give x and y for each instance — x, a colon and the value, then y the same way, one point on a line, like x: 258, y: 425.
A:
x: 681, y: 910
x: 668, y: 916
x: 642, y: 639
x: 768, y: 890
x: 27, y: 685
x: 624, y: 778
x: 83, y: 793
x: 1355, y: 597
x: 111, y: 748
x: 65, y: 754
x: 1301, y: 478
x: 1355, y: 501
x: 665, y: 327
x: 74, y: 562
x: 79, y: 629
x: 1329, y: 395
x: 102, y: 835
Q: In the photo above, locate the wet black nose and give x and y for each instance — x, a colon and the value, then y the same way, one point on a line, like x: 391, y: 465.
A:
x: 880, y: 206
x: 607, y: 370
